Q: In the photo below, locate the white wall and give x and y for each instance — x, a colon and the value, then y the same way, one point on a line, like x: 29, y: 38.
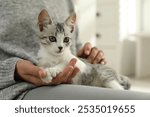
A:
x: 145, y: 15
x: 134, y: 57
x: 142, y: 55
x: 129, y: 19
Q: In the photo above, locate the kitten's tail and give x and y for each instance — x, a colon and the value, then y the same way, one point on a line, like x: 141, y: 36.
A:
x: 125, y: 82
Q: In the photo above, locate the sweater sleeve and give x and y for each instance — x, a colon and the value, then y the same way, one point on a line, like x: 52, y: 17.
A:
x: 78, y: 44
x: 7, y: 70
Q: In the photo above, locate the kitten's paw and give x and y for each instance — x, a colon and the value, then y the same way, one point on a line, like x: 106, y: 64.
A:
x: 54, y: 71
x: 51, y: 73
x: 125, y: 82
x: 48, y: 78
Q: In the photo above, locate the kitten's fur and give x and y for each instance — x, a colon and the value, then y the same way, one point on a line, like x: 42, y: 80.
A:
x: 54, y: 54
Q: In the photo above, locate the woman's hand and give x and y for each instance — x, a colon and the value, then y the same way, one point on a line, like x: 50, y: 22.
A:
x: 92, y: 54
x: 67, y: 74
x: 33, y: 74
x: 29, y: 72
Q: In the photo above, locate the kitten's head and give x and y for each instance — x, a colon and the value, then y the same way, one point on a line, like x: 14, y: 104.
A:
x: 56, y: 38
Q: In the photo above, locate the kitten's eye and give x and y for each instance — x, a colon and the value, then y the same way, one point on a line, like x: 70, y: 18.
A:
x: 52, y: 38
x: 66, y: 39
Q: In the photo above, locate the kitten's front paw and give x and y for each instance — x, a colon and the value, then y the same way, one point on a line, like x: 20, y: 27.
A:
x: 54, y: 71
x: 48, y: 78
x: 51, y: 73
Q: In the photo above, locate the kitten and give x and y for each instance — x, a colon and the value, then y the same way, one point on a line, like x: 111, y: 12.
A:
x: 54, y: 54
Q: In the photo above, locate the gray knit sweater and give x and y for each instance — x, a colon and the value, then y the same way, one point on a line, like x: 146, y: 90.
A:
x: 18, y: 38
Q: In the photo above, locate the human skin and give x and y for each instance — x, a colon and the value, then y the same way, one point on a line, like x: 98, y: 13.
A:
x: 92, y: 54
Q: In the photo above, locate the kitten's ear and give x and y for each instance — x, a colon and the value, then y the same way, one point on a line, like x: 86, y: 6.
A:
x: 44, y: 19
x: 70, y: 21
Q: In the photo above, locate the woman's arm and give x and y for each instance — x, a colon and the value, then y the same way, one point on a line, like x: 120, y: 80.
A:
x: 7, y: 70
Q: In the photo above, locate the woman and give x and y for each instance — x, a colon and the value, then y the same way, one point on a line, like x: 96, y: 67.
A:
x: 20, y: 78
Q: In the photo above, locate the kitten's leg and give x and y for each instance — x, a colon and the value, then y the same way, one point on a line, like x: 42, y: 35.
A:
x: 107, y: 76
x: 113, y: 84
x: 48, y: 78
x: 124, y: 81
x: 51, y: 73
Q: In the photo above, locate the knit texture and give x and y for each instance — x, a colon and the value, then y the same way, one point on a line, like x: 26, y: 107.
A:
x: 19, y: 40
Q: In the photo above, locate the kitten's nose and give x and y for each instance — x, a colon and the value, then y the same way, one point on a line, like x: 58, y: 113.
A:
x: 60, y: 48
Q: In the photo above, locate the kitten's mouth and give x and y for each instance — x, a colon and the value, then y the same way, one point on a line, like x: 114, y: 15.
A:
x: 59, y: 52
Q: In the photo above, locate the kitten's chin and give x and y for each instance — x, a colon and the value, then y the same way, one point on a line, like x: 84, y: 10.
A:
x: 58, y: 53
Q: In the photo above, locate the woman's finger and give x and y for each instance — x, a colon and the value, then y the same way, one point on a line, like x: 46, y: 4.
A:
x: 27, y: 68
x: 93, y: 54
x: 74, y: 73
x: 32, y: 79
x: 67, y: 75
x: 34, y: 70
x: 99, y: 57
x: 103, y: 61
x: 85, y: 50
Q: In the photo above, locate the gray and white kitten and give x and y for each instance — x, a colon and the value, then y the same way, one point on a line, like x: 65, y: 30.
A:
x: 54, y: 54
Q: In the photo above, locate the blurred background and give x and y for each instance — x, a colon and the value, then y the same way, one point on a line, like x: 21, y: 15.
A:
x: 121, y: 28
